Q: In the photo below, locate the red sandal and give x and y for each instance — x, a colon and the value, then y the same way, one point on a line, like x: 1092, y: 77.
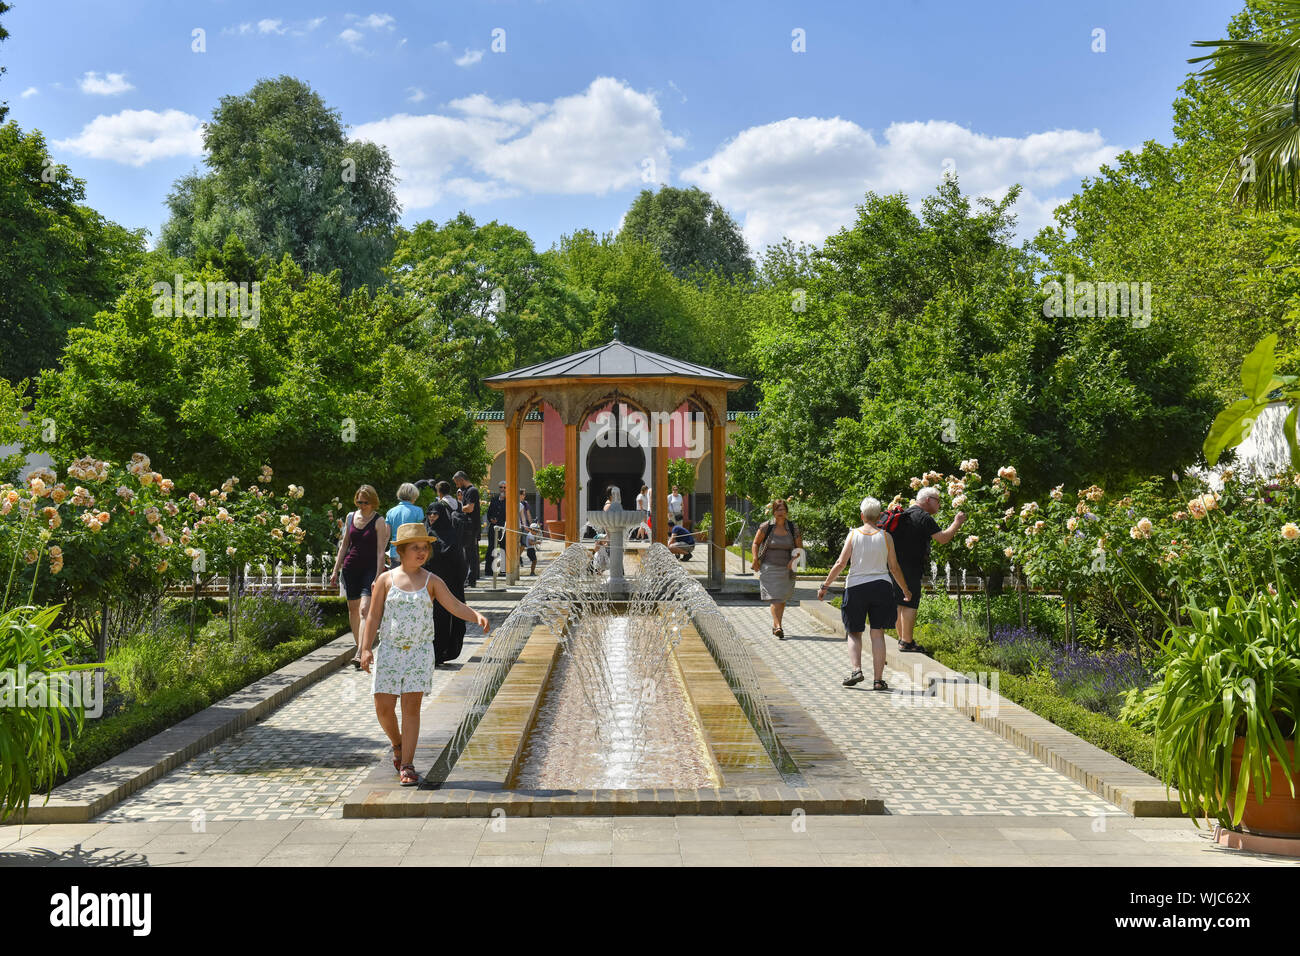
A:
x: 409, y: 777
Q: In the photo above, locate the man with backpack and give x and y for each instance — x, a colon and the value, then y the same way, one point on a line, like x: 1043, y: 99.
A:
x: 912, y: 531
x: 469, y: 500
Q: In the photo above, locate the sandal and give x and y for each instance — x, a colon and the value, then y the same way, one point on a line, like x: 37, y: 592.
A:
x: 409, y: 777
x: 879, y: 685
x: 779, y: 632
x: 911, y: 647
x: 855, y: 678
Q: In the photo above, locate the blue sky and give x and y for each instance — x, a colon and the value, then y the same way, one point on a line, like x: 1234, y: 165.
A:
x: 588, y: 101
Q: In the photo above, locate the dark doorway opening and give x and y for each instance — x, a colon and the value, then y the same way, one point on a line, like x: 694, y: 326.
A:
x: 622, y: 467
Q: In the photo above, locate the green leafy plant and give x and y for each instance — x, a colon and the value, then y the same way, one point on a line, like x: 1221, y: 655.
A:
x: 1259, y: 381
x: 549, y: 481
x: 1233, y: 672
x: 681, y: 472
x: 34, y: 738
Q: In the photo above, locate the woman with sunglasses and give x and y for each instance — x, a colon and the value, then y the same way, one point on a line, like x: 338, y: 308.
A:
x: 361, y: 559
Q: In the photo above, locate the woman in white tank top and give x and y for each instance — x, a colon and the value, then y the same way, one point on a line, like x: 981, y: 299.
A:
x: 868, y: 595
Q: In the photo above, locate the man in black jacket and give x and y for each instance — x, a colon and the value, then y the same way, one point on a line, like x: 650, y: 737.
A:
x: 496, y: 515
x: 447, y: 560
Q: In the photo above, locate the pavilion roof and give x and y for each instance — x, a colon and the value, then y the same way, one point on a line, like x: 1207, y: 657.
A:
x: 614, y: 360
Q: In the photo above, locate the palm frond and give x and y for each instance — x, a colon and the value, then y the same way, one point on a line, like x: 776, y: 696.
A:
x: 1270, y: 166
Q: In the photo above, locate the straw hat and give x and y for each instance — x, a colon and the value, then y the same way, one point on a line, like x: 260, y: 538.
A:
x: 411, y: 533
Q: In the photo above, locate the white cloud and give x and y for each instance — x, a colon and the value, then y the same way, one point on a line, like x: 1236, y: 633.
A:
x: 417, y: 95
x: 110, y: 84
x: 590, y: 143
x: 469, y: 58
x: 136, y: 137
x: 352, y: 38
x: 376, y: 21
x: 442, y: 46
x: 313, y: 23
x: 269, y: 26
x: 29, y: 92
x: 802, y: 177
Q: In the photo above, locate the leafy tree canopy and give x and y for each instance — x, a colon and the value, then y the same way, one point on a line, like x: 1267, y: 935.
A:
x: 692, y: 233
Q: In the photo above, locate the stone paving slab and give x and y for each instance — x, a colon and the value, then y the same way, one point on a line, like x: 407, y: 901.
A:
x: 94, y: 791
x: 918, y: 752
x: 612, y: 841
x: 1133, y: 790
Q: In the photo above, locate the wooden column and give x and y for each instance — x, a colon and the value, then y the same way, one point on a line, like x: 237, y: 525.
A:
x: 511, y: 543
x: 659, y: 493
x: 718, y: 531
x: 570, y: 484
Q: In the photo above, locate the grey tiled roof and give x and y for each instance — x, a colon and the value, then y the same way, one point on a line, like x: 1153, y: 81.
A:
x: 614, y: 359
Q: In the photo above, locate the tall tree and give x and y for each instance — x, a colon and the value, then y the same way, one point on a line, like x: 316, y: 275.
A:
x: 691, y: 231
x: 286, y: 179
x: 485, y: 290
x: 60, y: 261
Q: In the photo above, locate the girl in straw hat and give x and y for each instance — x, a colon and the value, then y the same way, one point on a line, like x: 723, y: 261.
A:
x: 401, y: 615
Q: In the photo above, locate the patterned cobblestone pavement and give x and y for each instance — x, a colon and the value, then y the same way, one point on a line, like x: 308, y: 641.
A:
x: 301, y: 761
x: 923, y: 757
x: 919, y: 754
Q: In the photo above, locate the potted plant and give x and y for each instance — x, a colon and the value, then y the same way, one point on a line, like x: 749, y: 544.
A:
x: 1226, y: 728
x: 549, y: 481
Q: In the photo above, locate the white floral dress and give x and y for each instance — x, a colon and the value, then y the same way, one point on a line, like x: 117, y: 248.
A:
x: 404, y: 656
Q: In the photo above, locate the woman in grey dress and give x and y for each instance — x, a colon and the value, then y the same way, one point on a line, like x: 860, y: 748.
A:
x: 774, y: 542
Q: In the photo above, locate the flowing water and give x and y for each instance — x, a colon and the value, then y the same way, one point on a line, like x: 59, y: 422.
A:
x: 615, y: 714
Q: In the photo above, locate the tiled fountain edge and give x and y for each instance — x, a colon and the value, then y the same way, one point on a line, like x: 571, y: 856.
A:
x: 832, y: 784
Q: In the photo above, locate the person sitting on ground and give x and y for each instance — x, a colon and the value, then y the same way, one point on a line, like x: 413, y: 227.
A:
x: 868, y: 591
x: 681, y: 542
x: 600, y: 556
x: 402, y: 614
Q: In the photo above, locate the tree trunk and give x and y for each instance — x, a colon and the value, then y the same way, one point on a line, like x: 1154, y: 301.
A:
x: 988, y: 607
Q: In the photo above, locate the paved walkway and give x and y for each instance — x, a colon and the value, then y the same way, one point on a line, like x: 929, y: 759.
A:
x: 301, y: 761
x: 921, y: 755
x: 957, y: 795
x: 624, y: 841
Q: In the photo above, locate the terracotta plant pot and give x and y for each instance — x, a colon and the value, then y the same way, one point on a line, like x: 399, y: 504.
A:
x: 1279, y: 814
x: 555, y: 530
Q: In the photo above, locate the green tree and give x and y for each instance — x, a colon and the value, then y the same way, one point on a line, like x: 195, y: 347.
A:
x: 60, y: 261
x: 286, y: 179
x: 485, y: 290
x: 315, y: 386
x: 549, y: 481
x: 692, y: 233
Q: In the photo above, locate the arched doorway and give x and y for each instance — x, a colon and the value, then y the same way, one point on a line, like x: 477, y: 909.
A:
x: 623, y: 466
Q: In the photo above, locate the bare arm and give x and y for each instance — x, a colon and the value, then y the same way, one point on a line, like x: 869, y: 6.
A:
x: 439, y: 591
x: 381, y: 535
x: 895, y: 570
x: 948, y: 533
x: 377, y: 598
x: 343, y: 546
x: 757, y: 543
x: 845, y: 553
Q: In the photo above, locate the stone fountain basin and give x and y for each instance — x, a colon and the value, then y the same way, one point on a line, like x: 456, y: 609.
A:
x: 609, y: 521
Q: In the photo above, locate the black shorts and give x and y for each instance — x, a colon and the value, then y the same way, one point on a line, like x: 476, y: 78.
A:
x: 870, y: 601
x: 358, y: 581
x: 913, y: 585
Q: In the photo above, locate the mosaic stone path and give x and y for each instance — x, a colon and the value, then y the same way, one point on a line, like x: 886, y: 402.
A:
x: 300, y: 761
x: 923, y: 757
x: 919, y: 754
